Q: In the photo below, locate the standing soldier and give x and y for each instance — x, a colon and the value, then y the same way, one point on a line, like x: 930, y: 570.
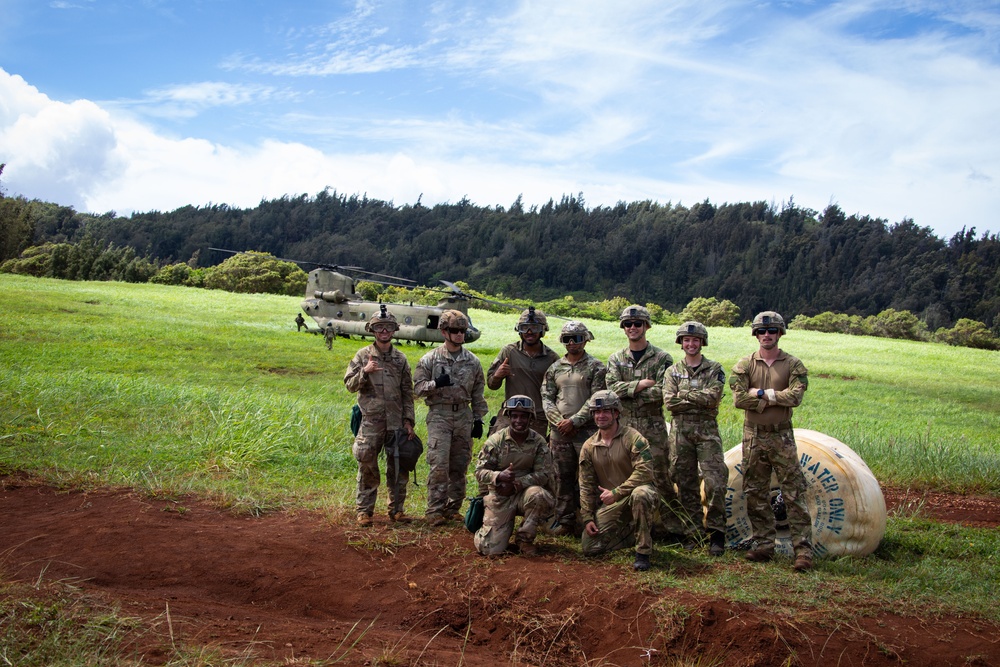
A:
x: 617, y: 497
x: 767, y: 385
x: 380, y: 375
x: 328, y: 334
x: 515, y: 465
x: 520, y: 367
x: 692, y: 391
x: 636, y: 375
x: 569, y: 384
x: 450, y: 379
x: 300, y: 322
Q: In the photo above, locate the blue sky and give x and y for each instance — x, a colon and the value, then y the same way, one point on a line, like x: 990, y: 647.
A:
x: 890, y: 109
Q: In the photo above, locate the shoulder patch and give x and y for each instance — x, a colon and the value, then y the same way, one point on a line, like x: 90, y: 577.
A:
x: 722, y: 376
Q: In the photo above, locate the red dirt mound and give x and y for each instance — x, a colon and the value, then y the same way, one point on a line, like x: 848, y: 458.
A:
x: 296, y: 586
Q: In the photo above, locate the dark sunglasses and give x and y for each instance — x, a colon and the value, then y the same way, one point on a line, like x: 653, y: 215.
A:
x: 572, y: 338
x: 519, y: 402
x: 455, y: 330
x: 628, y: 324
x: 770, y: 330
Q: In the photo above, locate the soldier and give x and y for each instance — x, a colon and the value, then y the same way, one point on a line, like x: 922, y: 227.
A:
x: 450, y: 378
x: 515, y: 465
x: 636, y: 375
x: 328, y: 334
x: 767, y: 385
x: 569, y: 384
x: 380, y: 375
x: 692, y: 391
x: 520, y: 367
x: 617, y: 497
x: 300, y: 321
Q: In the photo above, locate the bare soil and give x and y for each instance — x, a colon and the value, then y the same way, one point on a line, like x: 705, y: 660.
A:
x: 293, y: 587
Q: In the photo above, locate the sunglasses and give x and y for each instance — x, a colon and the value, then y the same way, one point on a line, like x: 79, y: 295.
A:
x: 455, y: 330
x: 382, y: 328
x: 628, y: 324
x: 572, y: 338
x: 770, y: 330
x: 530, y: 328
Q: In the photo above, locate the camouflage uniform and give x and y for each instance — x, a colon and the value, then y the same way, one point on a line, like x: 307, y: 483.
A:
x: 449, y: 423
x: 526, y: 379
x: 328, y: 335
x: 769, y: 446
x: 644, y: 413
x: 692, y: 395
x: 624, y: 467
x: 564, y: 396
x: 386, y: 399
x: 532, y: 467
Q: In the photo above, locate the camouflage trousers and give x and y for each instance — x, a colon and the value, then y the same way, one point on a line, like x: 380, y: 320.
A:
x: 449, y: 450
x: 764, y: 453
x: 533, y: 503
x: 695, y: 445
x: 623, y: 524
x: 566, y: 456
x: 372, y: 438
x: 654, y: 429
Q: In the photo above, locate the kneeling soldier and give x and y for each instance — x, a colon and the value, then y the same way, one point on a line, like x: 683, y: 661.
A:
x: 617, y: 495
x: 516, y: 466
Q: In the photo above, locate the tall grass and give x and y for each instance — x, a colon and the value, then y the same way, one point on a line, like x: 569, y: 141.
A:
x: 177, y: 390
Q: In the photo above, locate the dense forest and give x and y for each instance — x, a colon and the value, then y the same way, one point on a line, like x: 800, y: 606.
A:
x: 757, y: 255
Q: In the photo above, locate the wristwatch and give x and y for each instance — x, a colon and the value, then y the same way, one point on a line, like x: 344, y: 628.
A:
x: 760, y: 393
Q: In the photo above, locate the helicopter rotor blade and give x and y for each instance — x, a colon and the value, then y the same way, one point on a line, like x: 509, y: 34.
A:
x: 457, y: 292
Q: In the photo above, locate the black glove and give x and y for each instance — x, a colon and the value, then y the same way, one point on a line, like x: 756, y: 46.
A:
x: 477, y: 429
x: 442, y: 380
x: 506, y: 476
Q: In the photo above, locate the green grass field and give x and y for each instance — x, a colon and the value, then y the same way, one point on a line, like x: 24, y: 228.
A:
x: 172, y: 390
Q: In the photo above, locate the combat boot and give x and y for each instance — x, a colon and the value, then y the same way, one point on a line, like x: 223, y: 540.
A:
x: 526, y: 548
x: 641, y: 563
x: 716, y: 543
x: 436, y: 520
x: 399, y: 517
x: 803, y: 562
x: 364, y: 520
x: 560, y: 529
x: 760, y: 554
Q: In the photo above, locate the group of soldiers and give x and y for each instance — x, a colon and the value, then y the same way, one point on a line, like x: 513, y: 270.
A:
x: 581, y: 447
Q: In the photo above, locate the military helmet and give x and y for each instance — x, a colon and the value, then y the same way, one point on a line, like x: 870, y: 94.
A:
x: 604, y: 399
x: 574, y: 328
x: 532, y: 316
x: 453, y: 319
x: 693, y: 328
x: 382, y: 316
x: 768, y: 318
x: 636, y: 312
x: 518, y: 402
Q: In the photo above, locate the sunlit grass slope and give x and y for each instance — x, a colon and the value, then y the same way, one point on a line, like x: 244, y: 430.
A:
x: 172, y: 389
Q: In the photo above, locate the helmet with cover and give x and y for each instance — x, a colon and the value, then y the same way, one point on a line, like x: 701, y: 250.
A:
x: 532, y: 318
x: 453, y: 319
x: 766, y: 320
x: 635, y: 312
x: 692, y: 328
x: 382, y: 316
x: 577, y: 329
x: 604, y: 399
x: 518, y: 402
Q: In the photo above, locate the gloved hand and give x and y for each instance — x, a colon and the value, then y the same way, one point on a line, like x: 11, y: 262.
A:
x: 477, y: 429
x: 506, y: 489
x: 506, y: 476
x: 442, y: 380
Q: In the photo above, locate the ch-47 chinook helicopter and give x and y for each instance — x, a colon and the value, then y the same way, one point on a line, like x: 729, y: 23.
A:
x: 331, y: 300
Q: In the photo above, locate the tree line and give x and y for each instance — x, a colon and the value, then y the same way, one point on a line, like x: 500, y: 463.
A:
x: 756, y: 255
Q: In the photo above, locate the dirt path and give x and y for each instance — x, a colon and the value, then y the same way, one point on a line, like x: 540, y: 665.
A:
x: 293, y: 586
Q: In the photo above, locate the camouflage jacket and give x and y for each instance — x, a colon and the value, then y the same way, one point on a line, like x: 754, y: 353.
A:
x: 619, y: 467
x: 386, y: 393
x: 531, y: 459
x: 568, y: 386
x: 527, y: 372
x: 624, y: 374
x: 467, y: 381
x: 786, y: 378
x: 694, y: 391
